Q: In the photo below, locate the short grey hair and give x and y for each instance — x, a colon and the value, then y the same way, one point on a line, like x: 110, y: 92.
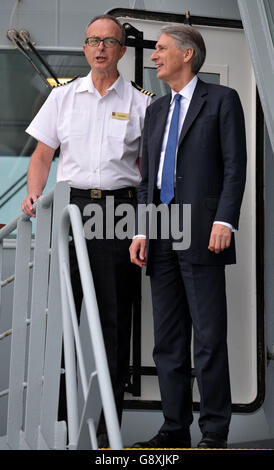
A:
x: 111, y: 18
x: 185, y: 36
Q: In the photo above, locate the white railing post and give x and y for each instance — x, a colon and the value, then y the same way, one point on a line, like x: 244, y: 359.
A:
x: 38, y: 322
x: 19, y: 333
x: 70, y: 363
x: 71, y: 214
x: 50, y: 398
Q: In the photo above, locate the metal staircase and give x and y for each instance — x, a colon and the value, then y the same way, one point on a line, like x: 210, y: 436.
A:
x: 40, y: 301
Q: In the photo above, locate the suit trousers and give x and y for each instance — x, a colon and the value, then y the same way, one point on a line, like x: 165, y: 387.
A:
x: 186, y: 298
x: 114, y: 281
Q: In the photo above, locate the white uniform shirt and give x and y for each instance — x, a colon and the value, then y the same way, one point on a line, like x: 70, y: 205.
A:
x: 99, y: 136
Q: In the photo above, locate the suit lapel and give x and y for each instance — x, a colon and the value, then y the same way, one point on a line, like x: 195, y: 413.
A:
x: 197, y: 102
x: 159, y: 118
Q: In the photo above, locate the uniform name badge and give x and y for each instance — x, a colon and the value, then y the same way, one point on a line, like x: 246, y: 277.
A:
x: 122, y: 116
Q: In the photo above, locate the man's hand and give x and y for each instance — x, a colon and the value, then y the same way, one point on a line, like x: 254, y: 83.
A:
x: 220, y: 238
x: 27, y: 204
x: 38, y: 172
x: 137, y: 251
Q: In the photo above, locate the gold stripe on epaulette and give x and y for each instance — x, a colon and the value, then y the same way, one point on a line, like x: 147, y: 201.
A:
x: 142, y: 90
x: 62, y: 81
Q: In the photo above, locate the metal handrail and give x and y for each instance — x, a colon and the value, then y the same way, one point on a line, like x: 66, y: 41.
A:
x: 71, y: 215
x: 44, y: 200
x: 36, y: 333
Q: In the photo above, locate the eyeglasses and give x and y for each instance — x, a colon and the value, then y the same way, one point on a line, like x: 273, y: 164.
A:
x: 108, y: 42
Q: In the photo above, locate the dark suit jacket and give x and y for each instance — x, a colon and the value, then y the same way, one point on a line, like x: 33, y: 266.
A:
x: 211, y: 165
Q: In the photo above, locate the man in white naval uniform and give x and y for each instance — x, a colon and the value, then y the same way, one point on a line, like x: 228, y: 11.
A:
x: 97, y: 121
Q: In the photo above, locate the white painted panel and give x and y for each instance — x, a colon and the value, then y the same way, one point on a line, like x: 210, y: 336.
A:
x: 227, y: 54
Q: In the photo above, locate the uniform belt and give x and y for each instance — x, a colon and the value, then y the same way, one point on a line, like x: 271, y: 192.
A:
x: 129, y: 192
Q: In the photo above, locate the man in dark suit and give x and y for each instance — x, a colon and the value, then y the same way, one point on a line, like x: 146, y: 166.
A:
x: 194, y: 153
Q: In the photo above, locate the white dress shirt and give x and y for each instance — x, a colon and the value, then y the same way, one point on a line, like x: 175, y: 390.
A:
x: 99, y: 136
x: 186, y: 94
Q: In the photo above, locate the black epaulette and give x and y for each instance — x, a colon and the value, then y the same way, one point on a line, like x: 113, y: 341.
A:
x: 142, y: 90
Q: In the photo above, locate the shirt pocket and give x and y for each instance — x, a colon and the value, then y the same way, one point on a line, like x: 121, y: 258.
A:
x: 124, y: 129
x: 79, y: 124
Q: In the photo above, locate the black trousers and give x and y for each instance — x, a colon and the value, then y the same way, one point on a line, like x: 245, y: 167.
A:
x: 186, y: 296
x: 114, y: 279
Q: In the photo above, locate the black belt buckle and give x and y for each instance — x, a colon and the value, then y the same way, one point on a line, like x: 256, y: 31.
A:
x: 96, y: 193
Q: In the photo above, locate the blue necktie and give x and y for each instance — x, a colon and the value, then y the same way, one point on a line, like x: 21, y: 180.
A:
x: 167, y: 186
